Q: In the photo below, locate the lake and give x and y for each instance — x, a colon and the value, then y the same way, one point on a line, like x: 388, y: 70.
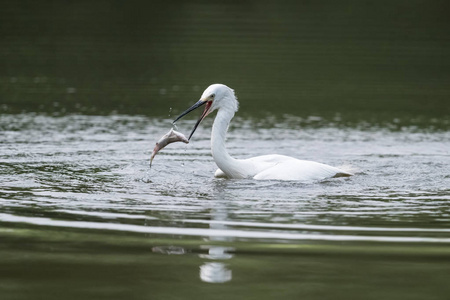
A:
x: 86, y: 90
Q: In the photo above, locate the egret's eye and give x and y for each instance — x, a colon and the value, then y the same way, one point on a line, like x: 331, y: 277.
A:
x: 212, y: 95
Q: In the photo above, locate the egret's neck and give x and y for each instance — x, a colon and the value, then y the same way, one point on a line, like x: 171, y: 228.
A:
x: 233, y: 168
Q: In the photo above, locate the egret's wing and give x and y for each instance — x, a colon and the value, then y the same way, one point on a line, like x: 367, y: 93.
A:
x: 299, y: 170
x: 270, y: 159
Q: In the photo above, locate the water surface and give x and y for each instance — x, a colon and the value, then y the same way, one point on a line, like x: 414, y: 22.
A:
x: 82, y: 213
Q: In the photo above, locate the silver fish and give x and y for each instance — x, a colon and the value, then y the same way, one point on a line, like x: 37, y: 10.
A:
x: 171, y: 137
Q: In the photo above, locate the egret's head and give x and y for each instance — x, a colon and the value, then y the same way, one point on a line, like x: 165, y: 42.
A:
x: 216, y: 96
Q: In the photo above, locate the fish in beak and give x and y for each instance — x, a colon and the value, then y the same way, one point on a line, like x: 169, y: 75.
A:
x: 171, y: 137
x: 199, y: 103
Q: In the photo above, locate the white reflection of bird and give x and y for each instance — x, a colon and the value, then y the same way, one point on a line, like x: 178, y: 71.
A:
x: 273, y: 166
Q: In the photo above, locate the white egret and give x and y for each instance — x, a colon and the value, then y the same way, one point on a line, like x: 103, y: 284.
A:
x: 273, y: 166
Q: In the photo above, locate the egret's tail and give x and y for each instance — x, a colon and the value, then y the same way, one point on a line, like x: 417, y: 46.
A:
x: 348, y: 170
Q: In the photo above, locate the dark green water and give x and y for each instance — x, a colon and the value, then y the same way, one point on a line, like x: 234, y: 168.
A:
x: 87, y: 87
x: 143, y: 57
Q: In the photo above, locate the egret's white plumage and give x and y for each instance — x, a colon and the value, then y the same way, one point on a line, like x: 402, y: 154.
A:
x: 273, y: 166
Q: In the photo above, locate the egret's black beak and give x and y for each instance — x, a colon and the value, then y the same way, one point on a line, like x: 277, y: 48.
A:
x: 193, y: 107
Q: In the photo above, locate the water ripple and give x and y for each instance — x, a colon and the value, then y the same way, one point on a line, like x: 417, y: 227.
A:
x: 216, y: 233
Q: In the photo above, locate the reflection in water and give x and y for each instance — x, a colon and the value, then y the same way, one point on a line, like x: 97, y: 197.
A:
x: 214, y: 272
x: 217, y: 252
x: 217, y: 272
x: 169, y: 250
